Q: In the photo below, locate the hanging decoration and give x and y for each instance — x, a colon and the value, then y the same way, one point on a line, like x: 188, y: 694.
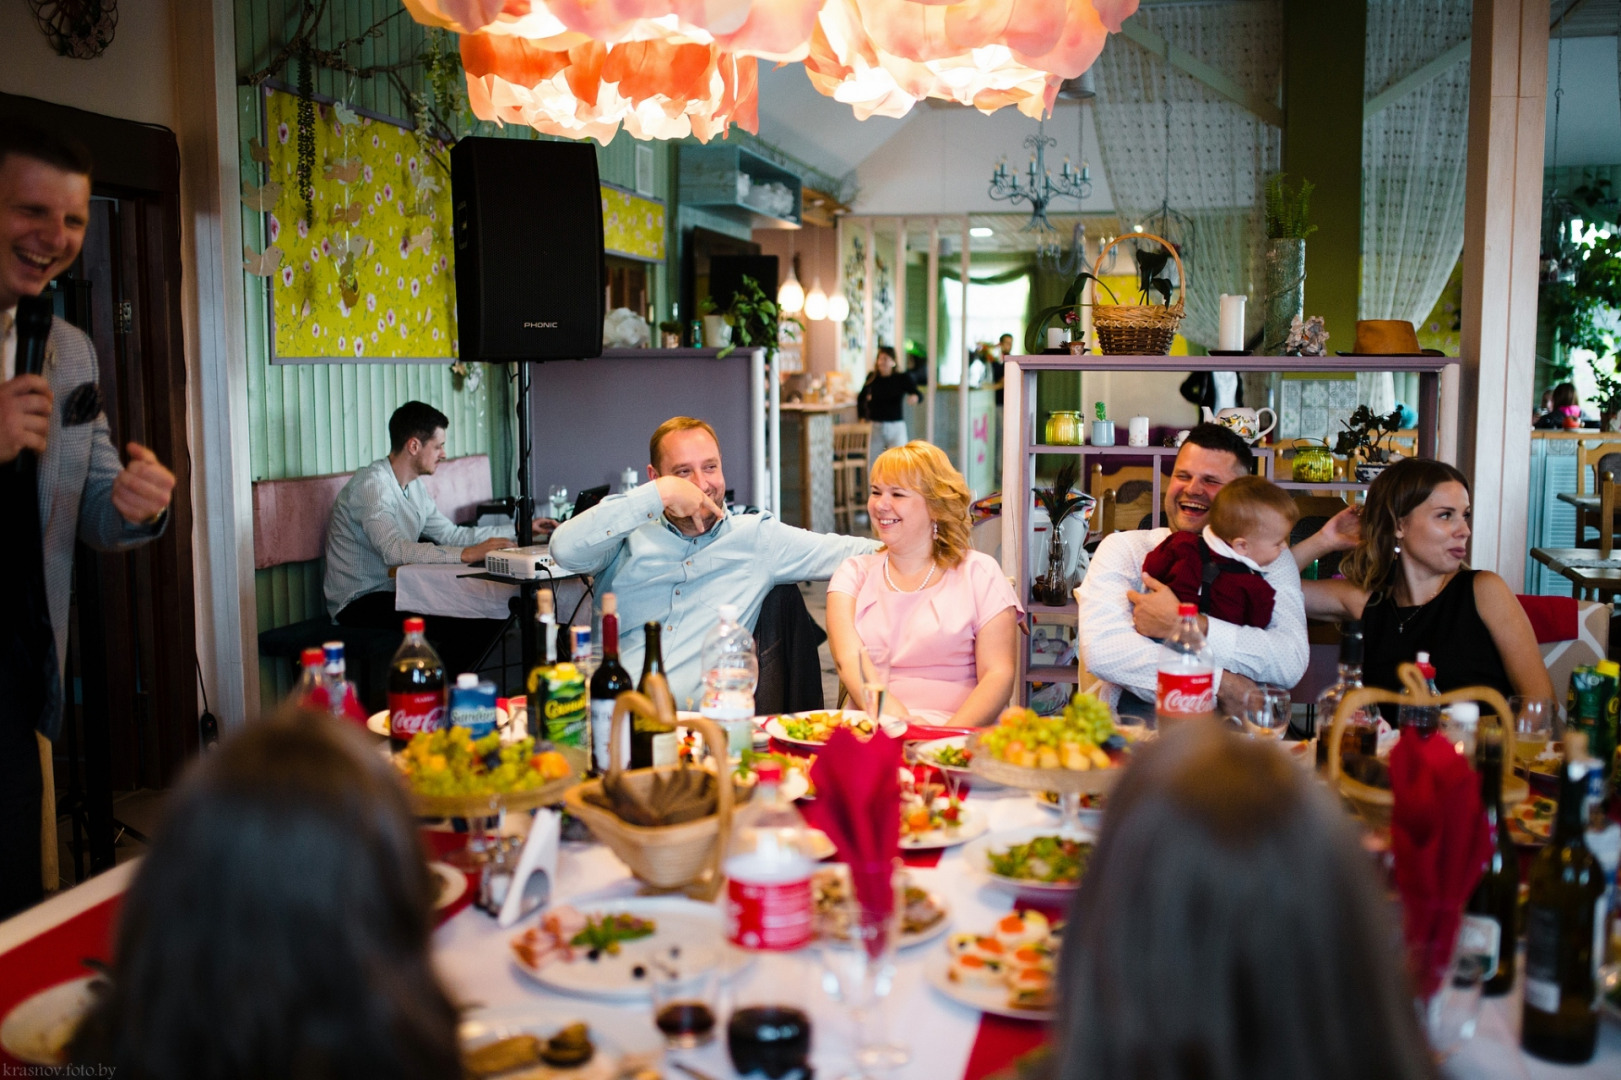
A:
x: 77, y: 29
x: 881, y: 57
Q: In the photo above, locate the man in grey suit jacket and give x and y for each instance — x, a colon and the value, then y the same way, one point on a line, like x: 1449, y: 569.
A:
x: 54, y: 439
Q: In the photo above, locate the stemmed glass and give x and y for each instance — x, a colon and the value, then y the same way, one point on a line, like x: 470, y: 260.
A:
x: 1266, y: 712
x: 558, y: 494
x: 856, y: 945
x: 874, y: 681
x: 1536, y: 722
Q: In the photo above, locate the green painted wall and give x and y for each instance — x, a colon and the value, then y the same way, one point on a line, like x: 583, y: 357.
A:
x: 1324, y: 49
x: 310, y: 419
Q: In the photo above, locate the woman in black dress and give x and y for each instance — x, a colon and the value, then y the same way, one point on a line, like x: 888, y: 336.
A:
x: 1409, y: 583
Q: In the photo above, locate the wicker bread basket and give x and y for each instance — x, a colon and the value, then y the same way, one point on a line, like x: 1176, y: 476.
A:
x: 666, y: 858
x: 1139, y: 329
x: 1375, y: 804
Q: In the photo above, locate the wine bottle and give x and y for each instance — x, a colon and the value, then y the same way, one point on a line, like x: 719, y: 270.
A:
x: 1562, y: 927
x: 1489, y: 923
x: 607, y: 683
x: 1361, y: 728
x: 652, y: 741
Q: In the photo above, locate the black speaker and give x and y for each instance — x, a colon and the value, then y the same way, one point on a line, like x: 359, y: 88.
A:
x: 531, y: 278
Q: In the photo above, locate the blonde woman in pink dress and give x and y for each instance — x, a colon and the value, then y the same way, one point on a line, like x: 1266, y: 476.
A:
x: 944, y: 614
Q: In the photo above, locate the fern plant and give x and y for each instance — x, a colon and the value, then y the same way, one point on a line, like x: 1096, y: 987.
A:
x: 1286, y: 208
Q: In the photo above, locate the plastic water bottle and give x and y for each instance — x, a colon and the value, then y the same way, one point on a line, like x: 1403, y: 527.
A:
x: 341, y: 694
x: 310, y: 693
x: 1186, y: 687
x: 768, y: 871
x: 472, y: 705
x: 731, y: 672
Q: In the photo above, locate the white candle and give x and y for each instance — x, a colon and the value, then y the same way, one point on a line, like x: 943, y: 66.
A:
x: 1055, y: 337
x: 1137, y: 431
x: 1230, y: 335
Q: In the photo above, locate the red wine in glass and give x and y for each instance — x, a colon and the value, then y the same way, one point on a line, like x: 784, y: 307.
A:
x: 686, y: 1023
x: 771, y: 1039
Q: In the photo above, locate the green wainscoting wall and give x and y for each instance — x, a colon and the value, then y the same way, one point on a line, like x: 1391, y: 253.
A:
x: 311, y: 419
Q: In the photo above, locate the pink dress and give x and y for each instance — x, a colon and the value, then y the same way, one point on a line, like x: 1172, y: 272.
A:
x: 930, y: 634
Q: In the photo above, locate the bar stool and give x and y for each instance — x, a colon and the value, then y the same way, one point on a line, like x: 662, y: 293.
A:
x: 851, y: 444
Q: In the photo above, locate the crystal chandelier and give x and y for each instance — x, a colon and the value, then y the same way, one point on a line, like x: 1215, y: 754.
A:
x: 1039, y: 188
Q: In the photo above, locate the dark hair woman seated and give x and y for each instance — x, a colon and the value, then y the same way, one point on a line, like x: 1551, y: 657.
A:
x: 1229, y: 926
x: 1409, y: 582
x: 280, y: 926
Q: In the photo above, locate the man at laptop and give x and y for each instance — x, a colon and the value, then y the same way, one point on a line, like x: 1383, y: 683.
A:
x: 672, y: 554
x: 385, y: 518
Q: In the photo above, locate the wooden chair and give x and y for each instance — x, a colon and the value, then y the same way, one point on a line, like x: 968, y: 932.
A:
x: 1601, y: 456
x: 1590, y: 582
x: 851, y: 445
x: 1124, y: 499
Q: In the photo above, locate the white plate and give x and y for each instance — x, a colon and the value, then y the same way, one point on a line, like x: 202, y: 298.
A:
x: 697, y: 930
x: 377, y: 723
x: 987, y: 999
x: 38, y: 1029
x: 455, y: 884
x: 969, y: 826
x: 891, y: 726
x: 976, y: 857
x: 916, y: 937
x: 926, y: 752
x: 622, y: 1047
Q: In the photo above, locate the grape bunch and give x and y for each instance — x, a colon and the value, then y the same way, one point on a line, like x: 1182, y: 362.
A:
x: 1075, y: 739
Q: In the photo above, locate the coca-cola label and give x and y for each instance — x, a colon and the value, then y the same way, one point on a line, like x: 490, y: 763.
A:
x: 773, y: 917
x: 1185, y: 695
x: 415, y: 711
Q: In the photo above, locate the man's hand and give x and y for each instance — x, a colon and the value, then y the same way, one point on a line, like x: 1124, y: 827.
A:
x: 1230, y: 698
x: 476, y: 553
x: 543, y: 526
x: 25, y: 415
x: 142, y: 490
x: 686, y: 505
x: 1154, y: 611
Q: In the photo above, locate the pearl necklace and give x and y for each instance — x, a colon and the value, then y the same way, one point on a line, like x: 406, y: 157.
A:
x: 926, y: 578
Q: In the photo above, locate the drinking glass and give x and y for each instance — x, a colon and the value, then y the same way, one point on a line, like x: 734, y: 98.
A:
x: 1536, y: 722
x: 1452, y: 1011
x: 1266, y: 712
x: 558, y: 494
x: 874, y: 680
x: 684, y: 1005
x: 856, y: 946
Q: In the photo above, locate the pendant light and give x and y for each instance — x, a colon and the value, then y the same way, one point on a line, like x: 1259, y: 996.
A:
x: 791, y: 294
x: 816, y: 302
x: 838, y: 308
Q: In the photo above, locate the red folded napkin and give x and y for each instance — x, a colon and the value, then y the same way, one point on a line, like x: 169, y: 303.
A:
x: 916, y: 732
x: 858, y: 805
x: 1440, y: 844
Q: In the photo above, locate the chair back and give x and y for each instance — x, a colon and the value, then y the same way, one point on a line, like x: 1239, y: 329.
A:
x: 1124, y: 499
x: 1599, y: 456
x: 851, y: 440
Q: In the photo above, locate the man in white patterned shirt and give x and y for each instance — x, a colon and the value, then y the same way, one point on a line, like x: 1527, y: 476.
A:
x: 1124, y: 615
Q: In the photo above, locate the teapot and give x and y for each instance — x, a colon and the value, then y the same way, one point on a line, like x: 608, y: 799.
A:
x: 1245, y: 423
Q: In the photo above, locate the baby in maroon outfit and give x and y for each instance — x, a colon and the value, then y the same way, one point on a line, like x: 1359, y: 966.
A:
x: 1220, y: 569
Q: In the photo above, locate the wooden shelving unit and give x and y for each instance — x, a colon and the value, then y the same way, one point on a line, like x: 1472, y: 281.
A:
x: 1022, y: 425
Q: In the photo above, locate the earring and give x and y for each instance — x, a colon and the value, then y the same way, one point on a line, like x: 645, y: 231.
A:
x: 936, y: 528
x: 1396, y: 550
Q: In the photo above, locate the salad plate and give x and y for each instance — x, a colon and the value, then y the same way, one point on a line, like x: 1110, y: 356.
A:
x: 940, y: 833
x: 1044, y: 863
x: 686, y: 934
x: 815, y: 728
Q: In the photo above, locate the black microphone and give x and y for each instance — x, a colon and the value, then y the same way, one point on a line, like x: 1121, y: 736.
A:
x: 33, y: 330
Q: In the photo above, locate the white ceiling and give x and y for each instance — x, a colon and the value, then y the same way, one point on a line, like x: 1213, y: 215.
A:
x: 817, y: 130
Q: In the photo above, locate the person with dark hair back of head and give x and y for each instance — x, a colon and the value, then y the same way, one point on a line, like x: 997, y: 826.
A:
x: 1229, y: 925
x: 377, y: 524
x: 1124, y: 613
x: 280, y: 926
x: 61, y: 478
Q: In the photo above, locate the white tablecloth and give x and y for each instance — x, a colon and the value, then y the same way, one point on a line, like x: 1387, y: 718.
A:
x: 447, y: 589
x: 472, y: 954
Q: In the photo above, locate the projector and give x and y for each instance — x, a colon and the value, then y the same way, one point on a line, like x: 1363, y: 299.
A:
x: 521, y: 564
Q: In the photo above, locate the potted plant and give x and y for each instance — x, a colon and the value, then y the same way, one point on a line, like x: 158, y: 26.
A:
x: 1286, y: 232
x: 717, y: 333
x: 1068, y: 310
x: 753, y: 320
x: 670, y: 334
x: 1364, y: 431
x: 1053, y: 587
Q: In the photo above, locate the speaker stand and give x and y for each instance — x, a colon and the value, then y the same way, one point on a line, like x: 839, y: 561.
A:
x: 523, y: 605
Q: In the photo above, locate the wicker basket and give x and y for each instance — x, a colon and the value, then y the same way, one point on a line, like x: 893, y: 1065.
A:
x: 1139, y: 329
x: 666, y: 858
x: 1375, y: 804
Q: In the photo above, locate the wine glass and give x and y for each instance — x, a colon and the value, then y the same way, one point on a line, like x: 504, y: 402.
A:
x: 874, y: 681
x: 1536, y: 723
x: 1266, y: 712
x: 856, y: 946
x: 558, y: 495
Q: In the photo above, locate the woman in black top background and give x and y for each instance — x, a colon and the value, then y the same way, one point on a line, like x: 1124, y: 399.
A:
x: 881, y: 401
x: 1408, y: 581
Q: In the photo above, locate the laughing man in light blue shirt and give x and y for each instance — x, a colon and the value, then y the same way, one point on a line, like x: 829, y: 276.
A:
x: 672, y: 555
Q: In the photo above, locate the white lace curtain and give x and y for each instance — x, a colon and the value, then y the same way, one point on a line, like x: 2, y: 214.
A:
x: 1414, y: 154
x: 1219, y: 152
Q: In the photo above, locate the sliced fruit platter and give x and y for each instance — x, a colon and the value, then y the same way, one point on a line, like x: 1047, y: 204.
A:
x: 1007, y: 971
x: 1078, y: 750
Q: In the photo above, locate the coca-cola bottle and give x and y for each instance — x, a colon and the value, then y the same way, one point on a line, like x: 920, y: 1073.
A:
x: 768, y: 867
x: 311, y: 692
x: 416, y: 688
x: 1187, y: 684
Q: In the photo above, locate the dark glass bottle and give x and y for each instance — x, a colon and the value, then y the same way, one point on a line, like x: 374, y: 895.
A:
x: 652, y: 741
x: 1361, y: 729
x: 1562, y: 927
x: 1490, y: 923
x: 607, y: 683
